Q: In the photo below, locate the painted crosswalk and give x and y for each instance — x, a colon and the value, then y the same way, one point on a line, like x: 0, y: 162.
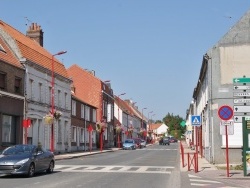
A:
x: 197, y: 181
x: 114, y: 168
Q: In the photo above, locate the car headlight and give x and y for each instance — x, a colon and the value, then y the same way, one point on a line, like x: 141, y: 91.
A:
x: 22, y: 161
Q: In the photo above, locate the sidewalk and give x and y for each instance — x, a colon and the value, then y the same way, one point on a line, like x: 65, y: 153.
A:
x: 83, y: 153
x: 205, y: 169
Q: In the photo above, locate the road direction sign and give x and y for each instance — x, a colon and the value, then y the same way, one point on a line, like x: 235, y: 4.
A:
x: 243, y: 94
x: 225, y: 112
x: 241, y: 108
x: 241, y: 80
x: 242, y: 87
x: 238, y: 119
x: 241, y: 100
x: 196, y: 120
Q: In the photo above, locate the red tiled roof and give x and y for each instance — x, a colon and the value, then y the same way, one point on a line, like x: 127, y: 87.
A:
x: 8, y: 56
x: 87, y: 86
x: 32, y: 51
x: 155, y: 126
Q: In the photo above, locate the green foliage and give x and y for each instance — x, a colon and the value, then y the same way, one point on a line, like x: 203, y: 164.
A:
x: 158, y: 121
x: 173, y: 123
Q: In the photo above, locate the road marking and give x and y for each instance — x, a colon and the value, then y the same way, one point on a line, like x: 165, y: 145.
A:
x: 156, y: 149
x: 114, y: 168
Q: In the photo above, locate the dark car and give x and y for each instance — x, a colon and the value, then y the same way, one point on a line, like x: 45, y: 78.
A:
x: 164, y: 141
x: 26, y: 160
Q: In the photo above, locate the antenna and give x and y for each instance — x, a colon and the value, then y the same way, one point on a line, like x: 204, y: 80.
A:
x: 27, y: 20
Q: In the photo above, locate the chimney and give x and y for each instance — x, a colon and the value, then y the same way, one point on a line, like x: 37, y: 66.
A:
x: 35, y: 32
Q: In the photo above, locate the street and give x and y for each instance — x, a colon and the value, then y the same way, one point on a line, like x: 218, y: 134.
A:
x: 151, y: 167
x: 147, y: 167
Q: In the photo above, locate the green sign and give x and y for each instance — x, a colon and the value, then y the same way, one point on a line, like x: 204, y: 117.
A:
x: 183, y: 123
x: 241, y: 80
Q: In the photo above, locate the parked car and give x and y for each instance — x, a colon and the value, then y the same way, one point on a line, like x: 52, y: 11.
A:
x: 143, y: 143
x: 129, y: 144
x: 138, y: 142
x: 164, y: 141
x: 172, y: 140
x: 26, y: 159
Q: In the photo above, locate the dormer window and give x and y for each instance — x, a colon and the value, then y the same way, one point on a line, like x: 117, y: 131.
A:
x: 2, y: 49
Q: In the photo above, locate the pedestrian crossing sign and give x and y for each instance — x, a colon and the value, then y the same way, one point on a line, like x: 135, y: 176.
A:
x: 196, y: 120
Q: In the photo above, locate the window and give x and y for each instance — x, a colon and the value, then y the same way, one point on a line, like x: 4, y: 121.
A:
x: 2, y: 81
x: 82, y: 111
x: 40, y: 92
x: 87, y: 113
x: 65, y: 132
x: 66, y: 100
x: 82, y: 136
x: 73, y: 134
x: 8, y: 130
x: 59, y: 98
x: 31, y: 89
x: 17, y: 85
x: 94, y: 115
x: 50, y: 94
x: 73, y: 107
x: 59, y: 131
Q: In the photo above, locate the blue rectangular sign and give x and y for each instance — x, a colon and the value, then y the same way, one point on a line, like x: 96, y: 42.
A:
x: 196, y: 120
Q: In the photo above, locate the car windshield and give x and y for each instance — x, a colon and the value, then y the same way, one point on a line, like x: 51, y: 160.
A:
x: 18, y: 149
x: 128, y: 141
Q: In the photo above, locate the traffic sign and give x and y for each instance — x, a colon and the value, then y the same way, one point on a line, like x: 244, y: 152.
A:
x: 241, y: 80
x: 225, y: 112
x: 238, y: 118
x: 243, y: 94
x: 241, y: 108
x: 241, y: 100
x: 242, y: 87
x: 196, y: 120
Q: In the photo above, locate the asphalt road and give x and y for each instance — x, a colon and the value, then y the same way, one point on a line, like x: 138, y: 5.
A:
x: 152, y: 167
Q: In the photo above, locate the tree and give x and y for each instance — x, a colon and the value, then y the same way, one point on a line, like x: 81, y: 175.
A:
x: 173, y: 123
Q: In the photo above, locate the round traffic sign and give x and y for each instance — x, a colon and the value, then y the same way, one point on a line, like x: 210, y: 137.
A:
x: 225, y: 112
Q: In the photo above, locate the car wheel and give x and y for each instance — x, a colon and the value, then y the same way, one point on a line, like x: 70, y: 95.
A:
x: 31, y: 170
x: 51, y: 167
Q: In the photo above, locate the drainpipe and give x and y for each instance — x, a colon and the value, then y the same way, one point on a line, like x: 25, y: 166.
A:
x: 23, y: 63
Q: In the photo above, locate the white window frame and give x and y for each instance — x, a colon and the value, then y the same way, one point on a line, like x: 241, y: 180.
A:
x: 82, y: 111
x: 73, y: 108
x: 73, y: 134
x: 87, y: 113
x: 94, y: 115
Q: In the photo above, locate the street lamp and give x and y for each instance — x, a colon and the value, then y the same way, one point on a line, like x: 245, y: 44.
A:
x: 151, y: 127
x: 119, y: 123
x: 53, y: 98
x: 142, y: 117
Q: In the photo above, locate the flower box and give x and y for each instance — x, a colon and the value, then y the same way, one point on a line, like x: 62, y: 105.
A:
x: 48, y: 119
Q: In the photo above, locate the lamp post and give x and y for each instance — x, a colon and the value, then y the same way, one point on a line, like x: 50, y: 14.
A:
x: 119, y: 123
x: 142, y: 117
x: 151, y: 127
x: 53, y: 98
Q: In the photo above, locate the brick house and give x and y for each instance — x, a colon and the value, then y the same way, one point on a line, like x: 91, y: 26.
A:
x: 11, y: 92
x: 83, y: 116
x: 98, y: 94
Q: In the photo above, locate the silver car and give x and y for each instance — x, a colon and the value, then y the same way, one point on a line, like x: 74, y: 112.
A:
x: 26, y: 159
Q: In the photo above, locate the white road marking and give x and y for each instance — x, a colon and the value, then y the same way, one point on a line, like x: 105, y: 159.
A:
x: 114, y: 168
x: 204, y: 181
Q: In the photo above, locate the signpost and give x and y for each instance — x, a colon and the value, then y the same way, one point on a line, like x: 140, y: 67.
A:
x: 196, y: 121
x: 226, y: 113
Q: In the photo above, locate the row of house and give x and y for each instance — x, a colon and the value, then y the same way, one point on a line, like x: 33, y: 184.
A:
x: 216, y: 87
x: 36, y: 86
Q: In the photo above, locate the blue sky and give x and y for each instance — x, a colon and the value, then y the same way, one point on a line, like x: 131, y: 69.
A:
x: 150, y: 49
